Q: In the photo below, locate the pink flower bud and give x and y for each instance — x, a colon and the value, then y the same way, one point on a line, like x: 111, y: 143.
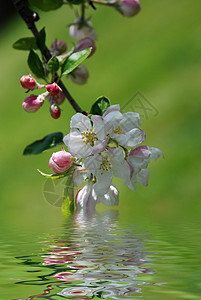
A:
x: 59, y: 99
x: 28, y: 82
x: 33, y: 103
x: 61, y: 161
x: 55, y: 111
x: 85, y: 43
x: 58, y: 47
x: 53, y: 89
x: 128, y: 8
x: 79, y: 75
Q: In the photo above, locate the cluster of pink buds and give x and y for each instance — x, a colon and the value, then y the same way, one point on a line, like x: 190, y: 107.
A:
x: 54, y: 94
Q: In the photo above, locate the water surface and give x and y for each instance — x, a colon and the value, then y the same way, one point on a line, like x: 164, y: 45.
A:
x: 101, y: 257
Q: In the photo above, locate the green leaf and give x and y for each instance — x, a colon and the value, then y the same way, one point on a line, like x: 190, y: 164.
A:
x: 46, y: 5
x: 48, y: 142
x: 74, y: 60
x: 55, y: 176
x: 41, y: 39
x: 53, y: 64
x: 100, y: 106
x: 35, y: 64
x: 27, y: 43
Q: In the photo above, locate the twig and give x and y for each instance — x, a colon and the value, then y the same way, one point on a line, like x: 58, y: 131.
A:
x: 30, y: 17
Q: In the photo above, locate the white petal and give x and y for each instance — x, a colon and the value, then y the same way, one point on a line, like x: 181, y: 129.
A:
x: 115, y: 153
x: 103, y: 182
x: 122, y: 170
x: 143, y: 176
x: 141, y: 151
x: 66, y: 139
x: 135, y: 137
x: 81, y: 122
x: 122, y: 139
x: 112, y: 120
x: 99, y: 127
x: 79, y: 174
x: 132, y: 184
x: 111, y: 198
x: 129, y: 121
x: 120, y: 167
x: 155, y: 153
x: 92, y: 163
x: 76, y: 146
x: 111, y: 108
x: 137, y: 163
x: 84, y: 198
x: 100, y: 146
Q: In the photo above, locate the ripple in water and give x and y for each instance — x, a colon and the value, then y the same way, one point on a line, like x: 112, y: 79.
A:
x: 93, y: 258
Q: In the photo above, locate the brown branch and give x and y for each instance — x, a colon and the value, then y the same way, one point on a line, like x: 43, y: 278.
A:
x: 30, y: 17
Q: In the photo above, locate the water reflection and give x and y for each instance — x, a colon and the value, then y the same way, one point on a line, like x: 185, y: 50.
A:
x: 93, y: 258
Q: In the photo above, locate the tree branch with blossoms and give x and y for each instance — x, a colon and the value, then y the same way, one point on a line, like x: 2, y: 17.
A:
x: 103, y: 143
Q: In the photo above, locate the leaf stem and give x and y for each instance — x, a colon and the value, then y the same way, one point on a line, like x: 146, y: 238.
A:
x: 30, y: 17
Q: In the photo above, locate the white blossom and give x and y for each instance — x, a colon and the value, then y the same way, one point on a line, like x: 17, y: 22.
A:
x: 83, y: 139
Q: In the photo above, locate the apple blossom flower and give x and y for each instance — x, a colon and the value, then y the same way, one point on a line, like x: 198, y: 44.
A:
x: 58, y: 47
x: 124, y: 128
x: 85, y: 43
x: 128, y: 8
x: 33, y: 103
x: 79, y: 75
x: 80, y: 29
x: 138, y: 160
x: 61, y: 161
x: 87, y: 198
x: 85, y: 139
x: 110, y: 163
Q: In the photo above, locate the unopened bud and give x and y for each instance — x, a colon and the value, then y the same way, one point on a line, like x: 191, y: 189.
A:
x: 33, y: 103
x: 28, y: 82
x: 58, y: 99
x: 79, y: 75
x: 128, y: 8
x: 53, y: 89
x: 85, y: 43
x: 80, y: 29
x: 55, y: 111
x: 61, y: 161
x: 58, y: 47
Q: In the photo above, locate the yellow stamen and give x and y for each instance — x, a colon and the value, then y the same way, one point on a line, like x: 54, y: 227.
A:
x: 118, y: 130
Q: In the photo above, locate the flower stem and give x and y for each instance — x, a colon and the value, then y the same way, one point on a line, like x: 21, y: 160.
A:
x: 104, y: 2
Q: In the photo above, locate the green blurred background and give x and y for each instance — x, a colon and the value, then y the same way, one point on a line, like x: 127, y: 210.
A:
x: 156, y: 53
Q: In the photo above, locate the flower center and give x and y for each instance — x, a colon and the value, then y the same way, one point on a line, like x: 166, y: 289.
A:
x: 105, y: 165
x: 118, y: 130
x: 89, y: 137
